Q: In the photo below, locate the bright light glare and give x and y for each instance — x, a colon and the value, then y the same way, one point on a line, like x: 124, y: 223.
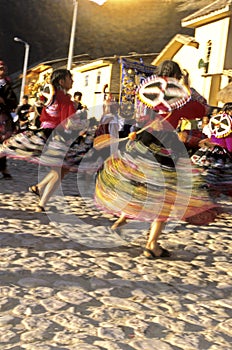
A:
x: 99, y: 2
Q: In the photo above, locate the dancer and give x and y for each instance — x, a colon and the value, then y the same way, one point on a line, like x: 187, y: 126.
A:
x: 55, y: 117
x: 215, y: 154
x: 197, y: 106
x: 142, y: 182
x: 49, y: 146
x: 54, y: 145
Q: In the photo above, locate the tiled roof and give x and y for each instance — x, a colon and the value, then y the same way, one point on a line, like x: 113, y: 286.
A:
x: 209, y: 9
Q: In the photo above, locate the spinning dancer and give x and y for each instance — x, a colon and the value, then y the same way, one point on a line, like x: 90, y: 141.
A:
x: 50, y: 146
x: 215, y: 155
x: 151, y: 178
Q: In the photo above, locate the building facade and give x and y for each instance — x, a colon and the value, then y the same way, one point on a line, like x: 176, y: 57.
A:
x: 208, y: 55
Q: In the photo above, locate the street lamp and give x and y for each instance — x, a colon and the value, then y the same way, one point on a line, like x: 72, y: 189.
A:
x: 72, y: 36
x: 27, y: 47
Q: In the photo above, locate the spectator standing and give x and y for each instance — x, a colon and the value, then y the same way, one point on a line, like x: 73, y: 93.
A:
x: 108, y: 126
x: 79, y: 106
x: 8, y: 103
x: 77, y: 100
x: 23, y: 113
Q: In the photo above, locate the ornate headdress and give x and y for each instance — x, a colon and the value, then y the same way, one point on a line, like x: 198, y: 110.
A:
x: 220, y: 125
x: 163, y: 94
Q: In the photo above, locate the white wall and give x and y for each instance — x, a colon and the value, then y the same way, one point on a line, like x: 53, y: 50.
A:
x: 217, y: 32
x: 93, y: 100
x: 188, y: 57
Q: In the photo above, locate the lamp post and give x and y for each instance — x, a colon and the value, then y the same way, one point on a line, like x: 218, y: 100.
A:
x: 73, y: 29
x: 27, y: 47
x: 72, y: 36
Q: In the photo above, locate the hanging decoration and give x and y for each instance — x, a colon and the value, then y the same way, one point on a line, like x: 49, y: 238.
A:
x: 132, y: 75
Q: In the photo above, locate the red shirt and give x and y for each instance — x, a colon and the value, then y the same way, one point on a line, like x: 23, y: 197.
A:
x: 58, y: 111
x: 191, y: 110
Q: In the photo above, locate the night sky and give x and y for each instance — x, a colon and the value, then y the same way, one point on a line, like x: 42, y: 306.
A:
x: 116, y: 28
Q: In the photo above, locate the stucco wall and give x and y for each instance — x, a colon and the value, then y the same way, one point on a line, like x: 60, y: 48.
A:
x: 188, y: 57
x: 228, y: 57
x: 217, y: 32
x: 93, y: 93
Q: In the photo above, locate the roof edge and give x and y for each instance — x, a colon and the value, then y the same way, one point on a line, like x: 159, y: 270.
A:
x: 176, y: 43
x: 204, y: 19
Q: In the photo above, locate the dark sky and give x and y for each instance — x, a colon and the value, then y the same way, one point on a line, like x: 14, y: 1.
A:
x: 118, y: 27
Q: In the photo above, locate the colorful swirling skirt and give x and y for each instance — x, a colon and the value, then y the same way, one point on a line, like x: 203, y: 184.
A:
x: 216, y: 165
x: 59, y: 150
x: 135, y: 184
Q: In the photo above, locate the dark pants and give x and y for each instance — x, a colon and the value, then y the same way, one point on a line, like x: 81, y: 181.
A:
x: 2, y: 164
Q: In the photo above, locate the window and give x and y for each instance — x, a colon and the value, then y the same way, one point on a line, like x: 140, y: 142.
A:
x: 87, y: 80
x: 208, y: 54
x: 98, y: 77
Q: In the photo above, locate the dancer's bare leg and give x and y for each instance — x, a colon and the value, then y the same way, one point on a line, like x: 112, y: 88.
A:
x: 152, y: 241
x: 152, y: 248
x: 40, y: 185
x: 121, y: 221
x: 88, y: 178
x: 50, y: 183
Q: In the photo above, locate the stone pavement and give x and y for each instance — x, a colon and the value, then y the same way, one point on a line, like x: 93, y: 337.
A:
x: 68, y: 282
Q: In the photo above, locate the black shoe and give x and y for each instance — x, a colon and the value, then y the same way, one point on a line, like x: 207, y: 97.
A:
x: 39, y: 209
x: 34, y: 189
x: 7, y: 176
x: 164, y: 254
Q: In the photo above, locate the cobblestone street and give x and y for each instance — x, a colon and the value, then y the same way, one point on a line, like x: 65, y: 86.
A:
x: 68, y: 282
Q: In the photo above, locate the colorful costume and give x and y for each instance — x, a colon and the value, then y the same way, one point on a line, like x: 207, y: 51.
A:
x: 216, y: 159
x: 54, y: 144
x: 152, y: 177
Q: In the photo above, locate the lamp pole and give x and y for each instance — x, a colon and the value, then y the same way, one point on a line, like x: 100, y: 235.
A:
x: 72, y: 36
x: 27, y: 47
